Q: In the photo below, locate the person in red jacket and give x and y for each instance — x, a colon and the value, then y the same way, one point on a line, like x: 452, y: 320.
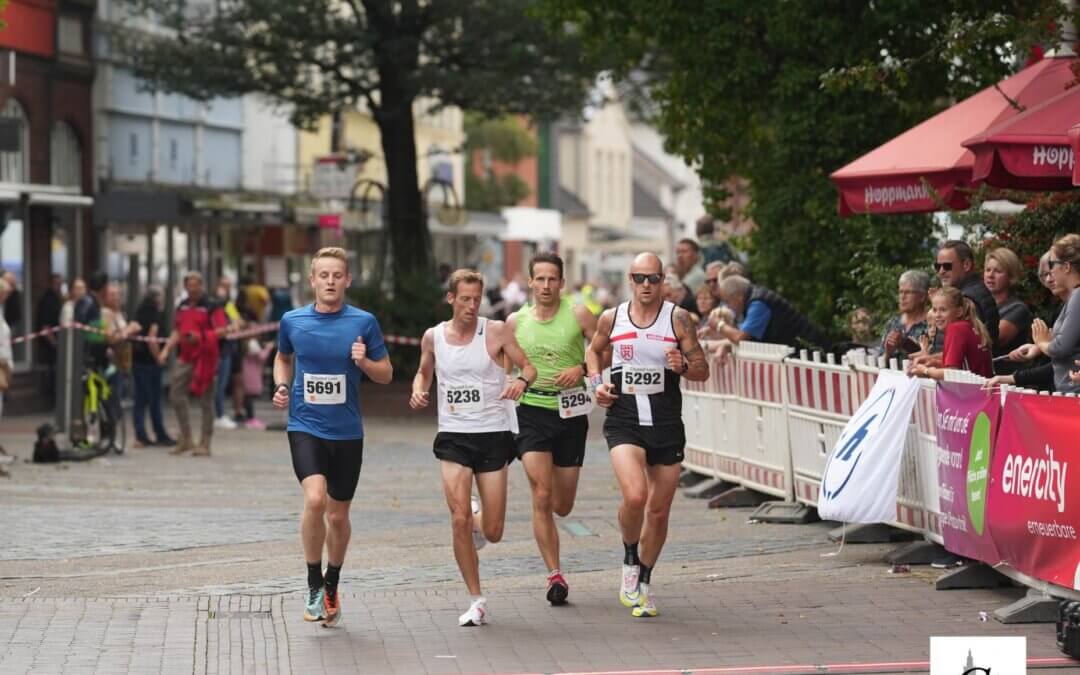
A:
x: 967, y: 341
x: 197, y: 326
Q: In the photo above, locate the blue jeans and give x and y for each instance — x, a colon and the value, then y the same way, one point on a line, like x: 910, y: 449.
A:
x: 224, y: 377
x: 148, y: 380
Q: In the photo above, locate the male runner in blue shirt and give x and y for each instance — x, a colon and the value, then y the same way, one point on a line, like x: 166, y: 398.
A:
x: 322, y: 350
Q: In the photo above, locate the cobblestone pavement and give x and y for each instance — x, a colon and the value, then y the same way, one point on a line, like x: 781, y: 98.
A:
x: 147, y: 563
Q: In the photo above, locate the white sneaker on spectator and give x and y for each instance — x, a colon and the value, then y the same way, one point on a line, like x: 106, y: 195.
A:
x: 224, y: 422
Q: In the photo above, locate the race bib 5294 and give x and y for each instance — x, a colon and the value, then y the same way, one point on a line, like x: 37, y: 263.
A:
x: 575, y: 402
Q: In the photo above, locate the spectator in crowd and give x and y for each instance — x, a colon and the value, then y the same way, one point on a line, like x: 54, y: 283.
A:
x: 861, y: 326
x: 735, y: 269
x: 227, y: 354
x: 13, y: 305
x: 1062, y: 344
x: 1039, y: 374
x: 198, y: 325
x: 48, y: 316
x: 88, y: 311
x: 147, y: 371
x: 713, y: 247
x: 712, y: 279
x: 1001, y: 271
x: 254, y: 361
x: 903, y: 332
x: 75, y: 293
x: 968, y: 345
x: 767, y: 317
x: 7, y: 358
x: 955, y: 266
x: 706, y: 303
x: 673, y: 290
x: 118, y: 330
x: 280, y: 303
x: 688, y: 265
x: 256, y: 296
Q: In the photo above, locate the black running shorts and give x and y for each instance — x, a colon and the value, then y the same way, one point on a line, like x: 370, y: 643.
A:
x: 663, y: 445
x: 338, y: 461
x: 482, y: 452
x: 541, y: 429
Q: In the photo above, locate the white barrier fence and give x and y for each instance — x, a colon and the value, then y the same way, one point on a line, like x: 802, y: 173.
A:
x: 767, y: 420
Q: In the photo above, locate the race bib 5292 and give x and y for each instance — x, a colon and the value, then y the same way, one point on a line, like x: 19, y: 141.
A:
x: 642, y: 380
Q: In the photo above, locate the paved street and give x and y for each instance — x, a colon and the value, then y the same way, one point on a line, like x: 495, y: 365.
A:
x: 149, y: 563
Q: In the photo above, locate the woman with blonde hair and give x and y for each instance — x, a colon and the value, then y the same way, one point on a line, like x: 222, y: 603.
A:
x: 967, y: 342
x: 1001, y: 272
x: 1062, y: 344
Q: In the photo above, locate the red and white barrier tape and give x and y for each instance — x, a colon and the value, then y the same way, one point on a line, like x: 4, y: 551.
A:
x: 251, y: 331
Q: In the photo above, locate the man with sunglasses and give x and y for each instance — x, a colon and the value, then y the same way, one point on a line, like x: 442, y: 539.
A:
x: 955, y: 266
x: 653, y: 344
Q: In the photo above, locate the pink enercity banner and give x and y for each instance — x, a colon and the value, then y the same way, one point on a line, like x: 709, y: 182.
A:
x: 967, y: 419
x: 1034, y: 505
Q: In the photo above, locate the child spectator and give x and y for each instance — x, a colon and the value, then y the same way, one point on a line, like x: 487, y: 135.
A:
x: 255, y: 356
x: 967, y: 342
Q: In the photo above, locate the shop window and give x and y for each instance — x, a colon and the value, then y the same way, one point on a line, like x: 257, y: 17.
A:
x: 65, y: 156
x: 15, y: 166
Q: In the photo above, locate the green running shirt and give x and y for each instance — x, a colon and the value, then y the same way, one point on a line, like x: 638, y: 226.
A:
x: 552, y: 347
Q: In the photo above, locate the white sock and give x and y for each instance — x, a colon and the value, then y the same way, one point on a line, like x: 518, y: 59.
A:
x: 474, y: 598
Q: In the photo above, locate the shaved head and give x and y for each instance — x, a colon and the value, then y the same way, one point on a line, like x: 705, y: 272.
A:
x: 646, y: 263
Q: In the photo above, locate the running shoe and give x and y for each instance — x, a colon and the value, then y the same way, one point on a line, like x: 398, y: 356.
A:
x: 629, y: 594
x: 224, y: 422
x: 255, y: 424
x: 314, y: 610
x: 557, y: 588
x: 331, y: 606
x: 645, y: 608
x: 477, y: 534
x: 477, y: 614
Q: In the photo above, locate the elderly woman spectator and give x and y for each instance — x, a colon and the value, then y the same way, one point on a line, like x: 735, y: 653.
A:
x: 1001, y: 271
x: 903, y: 332
x: 1062, y: 344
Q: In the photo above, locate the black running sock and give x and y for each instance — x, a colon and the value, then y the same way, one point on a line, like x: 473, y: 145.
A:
x: 630, y: 558
x: 646, y: 573
x: 332, y: 576
x: 314, y: 574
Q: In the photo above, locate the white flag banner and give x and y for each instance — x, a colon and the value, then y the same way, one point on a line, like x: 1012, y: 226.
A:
x: 861, y: 474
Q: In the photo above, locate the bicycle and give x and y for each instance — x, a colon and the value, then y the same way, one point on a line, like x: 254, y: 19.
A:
x: 102, y: 427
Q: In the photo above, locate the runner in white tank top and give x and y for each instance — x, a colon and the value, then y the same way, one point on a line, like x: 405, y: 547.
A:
x: 653, y: 344
x: 476, y: 414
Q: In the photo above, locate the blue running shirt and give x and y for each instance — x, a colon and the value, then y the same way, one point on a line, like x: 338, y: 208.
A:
x: 325, y: 396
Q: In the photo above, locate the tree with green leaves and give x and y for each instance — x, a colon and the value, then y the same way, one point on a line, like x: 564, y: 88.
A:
x: 501, y: 139
x: 315, y: 57
x: 784, y: 93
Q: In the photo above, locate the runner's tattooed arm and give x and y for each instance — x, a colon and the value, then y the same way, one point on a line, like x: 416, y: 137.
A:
x: 424, y: 374
x: 515, y: 355
x: 689, y: 352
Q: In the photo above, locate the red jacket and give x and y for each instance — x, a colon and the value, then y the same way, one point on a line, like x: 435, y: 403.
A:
x: 200, y: 319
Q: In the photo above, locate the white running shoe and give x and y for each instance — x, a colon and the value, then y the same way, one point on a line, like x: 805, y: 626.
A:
x: 478, y: 539
x: 224, y: 422
x: 630, y: 593
x: 477, y: 614
x: 645, y: 608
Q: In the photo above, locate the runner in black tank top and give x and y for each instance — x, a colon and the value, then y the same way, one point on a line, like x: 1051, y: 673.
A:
x: 653, y: 344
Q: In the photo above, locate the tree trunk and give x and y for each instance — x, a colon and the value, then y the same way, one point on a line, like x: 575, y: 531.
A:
x: 410, y: 240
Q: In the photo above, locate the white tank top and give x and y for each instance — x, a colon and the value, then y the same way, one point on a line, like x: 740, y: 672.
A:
x: 649, y: 393
x: 470, y: 383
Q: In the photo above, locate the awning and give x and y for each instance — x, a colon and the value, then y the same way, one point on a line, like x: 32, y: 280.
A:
x: 38, y: 194
x: 1031, y: 150
x: 1074, y: 141
x: 898, y: 176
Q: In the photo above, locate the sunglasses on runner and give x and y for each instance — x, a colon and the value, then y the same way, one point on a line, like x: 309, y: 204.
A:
x: 640, y: 278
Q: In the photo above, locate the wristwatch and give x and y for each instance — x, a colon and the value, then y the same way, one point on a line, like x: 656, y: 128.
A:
x: 279, y: 386
x: 524, y: 379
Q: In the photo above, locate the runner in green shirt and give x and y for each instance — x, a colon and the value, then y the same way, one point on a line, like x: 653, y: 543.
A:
x: 553, y: 415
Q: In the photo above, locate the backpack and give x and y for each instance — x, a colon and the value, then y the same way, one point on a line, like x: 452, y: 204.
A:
x: 45, y: 450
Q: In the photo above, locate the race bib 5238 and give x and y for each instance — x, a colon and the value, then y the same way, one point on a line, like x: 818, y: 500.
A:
x: 464, y: 399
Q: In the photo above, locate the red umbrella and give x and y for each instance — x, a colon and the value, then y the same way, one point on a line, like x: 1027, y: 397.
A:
x: 890, y: 179
x: 1074, y: 140
x: 1030, y: 151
